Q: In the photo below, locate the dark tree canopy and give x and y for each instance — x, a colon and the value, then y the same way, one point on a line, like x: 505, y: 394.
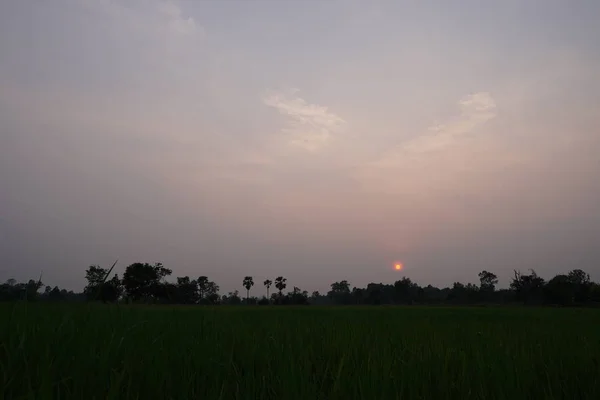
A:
x: 528, y: 288
x: 101, y: 288
x: 143, y: 280
x: 147, y: 283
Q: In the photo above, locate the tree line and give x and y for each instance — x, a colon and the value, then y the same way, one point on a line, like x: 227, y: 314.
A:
x: 147, y: 283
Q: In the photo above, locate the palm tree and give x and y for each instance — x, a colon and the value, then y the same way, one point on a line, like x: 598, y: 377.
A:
x: 268, y: 284
x: 248, y: 283
x: 280, y: 284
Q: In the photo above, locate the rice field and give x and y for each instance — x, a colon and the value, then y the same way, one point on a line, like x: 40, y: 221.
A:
x: 67, y: 351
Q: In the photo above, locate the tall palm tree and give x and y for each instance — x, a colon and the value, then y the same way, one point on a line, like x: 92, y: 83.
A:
x: 280, y: 284
x: 248, y: 283
x: 268, y: 284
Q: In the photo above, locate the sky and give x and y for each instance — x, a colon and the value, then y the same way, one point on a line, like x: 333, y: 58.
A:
x: 318, y: 140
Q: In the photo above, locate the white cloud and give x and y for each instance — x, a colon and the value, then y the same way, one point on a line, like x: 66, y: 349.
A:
x: 435, y: 161
x: 309, y: 126
x: 476, y: 110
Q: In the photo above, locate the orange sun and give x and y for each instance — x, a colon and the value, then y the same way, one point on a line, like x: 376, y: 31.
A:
x: 398, y: 266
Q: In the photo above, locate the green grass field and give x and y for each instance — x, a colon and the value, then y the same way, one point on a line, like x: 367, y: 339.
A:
x: 122, y: 352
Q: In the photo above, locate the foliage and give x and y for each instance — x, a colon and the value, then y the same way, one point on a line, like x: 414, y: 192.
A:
x: 101, y: 288
x: 487, y: 281
x: 248, y: 283
x: 268, y: 284
x: 528, y: 288
x: 187, y: 291
x: 232, y: 299
x: 405, y: 291
x: 203, y: 286
x: 280, y: 284
x: 11, y: 290
x: 340, y: 292
x: 147, y: 283
x: 142, y: 280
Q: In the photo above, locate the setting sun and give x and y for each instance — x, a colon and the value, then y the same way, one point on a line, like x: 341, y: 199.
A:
x: 398, y: 266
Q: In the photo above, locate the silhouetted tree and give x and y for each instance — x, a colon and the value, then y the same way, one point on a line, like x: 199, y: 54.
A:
x: 248, y: 283
x: 595, y: 292
x: 101, y: 288
x: 145, y: 281
x: 280, y: 285
x: 463, y: 294
x: 267, y: 284
x: 488, y: 281
x: 12, y: 291
x: 95, y: 275
x: 186, y: 291
x: 340, y: 292
x: 574, y: 288
x: 15, y: 291
x: 56, y: 294
x: 375, y: 294
x: 233, y: 298
x: 358, y: 295
x: 202, y: 286
x: 528, y: 288
x: 142, y: 281
x: 212, y: 293
x: 297, y: 297
x: 582, y: 285
x: 31, y: 289
x: 433, y: 295
x: 112, y: 289
x: 405, y: 291
x: 559, y: 290
x: 487, y: 285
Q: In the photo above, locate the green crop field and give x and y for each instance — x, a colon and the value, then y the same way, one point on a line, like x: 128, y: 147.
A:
x: 134, y: 352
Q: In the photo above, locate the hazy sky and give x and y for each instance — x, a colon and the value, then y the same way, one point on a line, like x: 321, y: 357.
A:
x: 318, y: 140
